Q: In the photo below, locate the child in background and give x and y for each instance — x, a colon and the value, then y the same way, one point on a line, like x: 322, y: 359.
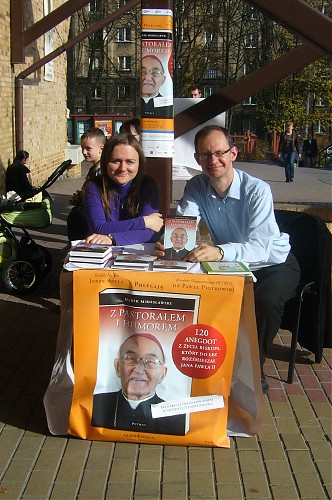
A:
x: 92, y: 144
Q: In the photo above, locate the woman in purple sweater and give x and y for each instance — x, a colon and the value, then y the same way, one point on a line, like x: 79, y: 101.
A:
x: 122, y: 204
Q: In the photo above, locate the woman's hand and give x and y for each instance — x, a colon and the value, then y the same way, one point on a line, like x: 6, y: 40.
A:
x: 153, y: 221
x: 100, y: 239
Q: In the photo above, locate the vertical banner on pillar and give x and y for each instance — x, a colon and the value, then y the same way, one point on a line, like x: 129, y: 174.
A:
x: 157, y: 120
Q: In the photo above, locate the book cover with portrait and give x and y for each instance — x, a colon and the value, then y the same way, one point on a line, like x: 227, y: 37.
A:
x: 135, y: 365
x: 179, y: 236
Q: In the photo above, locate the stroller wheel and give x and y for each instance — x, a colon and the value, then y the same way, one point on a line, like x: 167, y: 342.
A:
x: 44, y: 260
x: 19, y: 275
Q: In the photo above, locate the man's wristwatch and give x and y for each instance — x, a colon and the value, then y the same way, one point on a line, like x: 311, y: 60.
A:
x: 221, y: 253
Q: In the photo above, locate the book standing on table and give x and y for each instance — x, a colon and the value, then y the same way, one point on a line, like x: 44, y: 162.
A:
x: 180, y: 232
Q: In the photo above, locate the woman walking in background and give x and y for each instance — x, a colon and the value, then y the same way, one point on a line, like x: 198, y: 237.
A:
x: 289, y: 146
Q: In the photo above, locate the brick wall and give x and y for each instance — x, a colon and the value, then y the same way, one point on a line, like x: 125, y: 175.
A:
x: 44, y: 103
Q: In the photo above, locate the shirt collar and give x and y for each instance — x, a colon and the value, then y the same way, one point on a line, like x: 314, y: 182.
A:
x: 234, y: 188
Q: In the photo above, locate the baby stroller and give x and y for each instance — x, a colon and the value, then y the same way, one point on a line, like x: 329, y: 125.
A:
x: 23, y: 262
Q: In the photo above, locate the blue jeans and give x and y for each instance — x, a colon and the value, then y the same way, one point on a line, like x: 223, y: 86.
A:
x: 289, y: 159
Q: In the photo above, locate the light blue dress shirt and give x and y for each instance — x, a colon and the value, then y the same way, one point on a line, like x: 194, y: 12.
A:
x: 242, y: 224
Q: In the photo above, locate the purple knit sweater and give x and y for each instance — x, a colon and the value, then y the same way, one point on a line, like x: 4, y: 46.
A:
x: 125, y: 231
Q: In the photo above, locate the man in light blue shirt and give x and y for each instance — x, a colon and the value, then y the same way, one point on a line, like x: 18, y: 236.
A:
x: 238, y: 211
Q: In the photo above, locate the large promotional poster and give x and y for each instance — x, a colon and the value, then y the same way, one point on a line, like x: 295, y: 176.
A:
x: 157, y: 83
x: 153, y: 356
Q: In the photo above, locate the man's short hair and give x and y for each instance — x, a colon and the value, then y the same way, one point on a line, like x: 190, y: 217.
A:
x: 22, y: 155
x: 195, y: 87
x: 94, y: 133
x: 210, y: 128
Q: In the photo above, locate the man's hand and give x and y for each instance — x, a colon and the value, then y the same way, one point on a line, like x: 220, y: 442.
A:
x: 204, y: 252
x: 159, y: 250
x: 100, y: 239
x: 154, y: 221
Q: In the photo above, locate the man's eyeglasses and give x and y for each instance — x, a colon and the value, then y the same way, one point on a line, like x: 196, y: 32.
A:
x: 131, y: 360
x: 218, y: 154
x: 152, y: 72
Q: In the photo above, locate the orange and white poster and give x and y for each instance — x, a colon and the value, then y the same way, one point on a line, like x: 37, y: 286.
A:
x: 153, y: 356
x: 157, y: 121
x: 106, y: 126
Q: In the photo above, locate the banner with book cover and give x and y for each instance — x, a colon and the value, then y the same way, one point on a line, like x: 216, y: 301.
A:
x: 154, y: 355
x: 157, y: 122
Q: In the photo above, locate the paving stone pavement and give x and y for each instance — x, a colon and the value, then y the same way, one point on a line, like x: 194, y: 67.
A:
x: 289, y: 459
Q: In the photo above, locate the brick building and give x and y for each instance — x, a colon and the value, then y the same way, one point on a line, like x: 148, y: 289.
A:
x: 44, y: 95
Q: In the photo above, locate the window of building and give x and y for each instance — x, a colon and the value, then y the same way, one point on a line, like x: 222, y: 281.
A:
x: 121, y: 3
x: 248, y: 67
x: 250, y: 41
x: 124, y: 63
x: 327, y: 8
x: 209, y: 90
x: 211, y: 39
x: 95, y: 63
x: 123, y: 92
x: 92, y: 6
x: 211, y: 73
x: 250, y: 101
x: 124, y: 35
x: 184, y: 34
x: 250, y: 124
x: 318, y: 128
x: 96, y: 93
x: 251, y: 13
x: 320, y: 101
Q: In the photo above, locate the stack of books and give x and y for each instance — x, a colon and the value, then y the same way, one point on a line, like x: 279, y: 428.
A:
x: 133, y: 261
x: 90, y: 255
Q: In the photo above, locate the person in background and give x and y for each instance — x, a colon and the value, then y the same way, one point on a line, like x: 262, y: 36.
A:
x: 132, y: 127
x: 289, y: 147
x: 310, y: 151
x: 195, y: 91
x: 17, y: 176
x: 238, y: 211
x: 92, y: 144
x: 122, y: 204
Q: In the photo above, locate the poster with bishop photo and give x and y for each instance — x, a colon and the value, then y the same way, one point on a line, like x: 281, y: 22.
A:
x: 153, y: 356
x: 157, y: 121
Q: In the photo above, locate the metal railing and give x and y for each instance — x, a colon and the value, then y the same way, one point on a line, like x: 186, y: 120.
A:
x: 325, y: 157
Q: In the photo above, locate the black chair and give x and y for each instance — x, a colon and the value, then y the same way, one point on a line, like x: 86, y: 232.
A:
x: 307, y: 315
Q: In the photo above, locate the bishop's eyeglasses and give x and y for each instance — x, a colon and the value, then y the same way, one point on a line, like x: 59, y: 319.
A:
x: 153, y: 72
x: 132, y: 360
